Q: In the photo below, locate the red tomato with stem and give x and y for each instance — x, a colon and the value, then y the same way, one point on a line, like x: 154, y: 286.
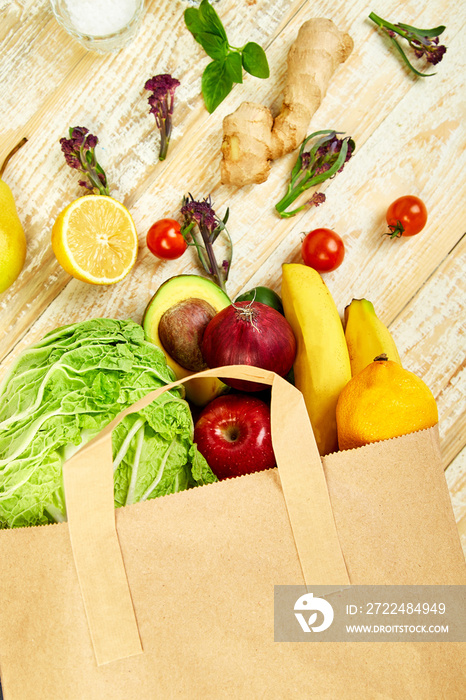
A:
x: 323, y: 250
x: 406, y: 216
x: 165, y: 240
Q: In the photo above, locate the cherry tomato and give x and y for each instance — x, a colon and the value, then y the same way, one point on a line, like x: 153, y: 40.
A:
x: 406, y: 216
x: 165, y: 240
x: 323, y: 249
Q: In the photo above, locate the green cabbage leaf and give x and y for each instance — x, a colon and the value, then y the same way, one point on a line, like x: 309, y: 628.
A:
x: 62, y: 391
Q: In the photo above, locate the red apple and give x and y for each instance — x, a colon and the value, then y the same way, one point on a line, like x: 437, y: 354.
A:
x: 233, y: 434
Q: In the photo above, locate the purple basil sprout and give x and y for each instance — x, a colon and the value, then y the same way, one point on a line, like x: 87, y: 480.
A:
x: 201, y: 228
x: 161, y: 103
x: 423, y: 42
x: 316, y: 200
x: 79, y: 152
x: 322, y: 162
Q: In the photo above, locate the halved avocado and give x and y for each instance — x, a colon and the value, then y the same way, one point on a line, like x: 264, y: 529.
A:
x: 201, y: 390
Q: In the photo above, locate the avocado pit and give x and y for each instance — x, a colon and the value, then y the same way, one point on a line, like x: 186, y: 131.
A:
x: 181, y: 328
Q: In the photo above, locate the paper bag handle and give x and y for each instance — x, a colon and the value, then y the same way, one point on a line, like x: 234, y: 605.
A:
x: 88, y: 484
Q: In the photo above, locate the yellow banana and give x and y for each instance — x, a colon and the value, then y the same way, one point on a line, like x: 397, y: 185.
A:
x: 366, y: 336
x: 322, y: 366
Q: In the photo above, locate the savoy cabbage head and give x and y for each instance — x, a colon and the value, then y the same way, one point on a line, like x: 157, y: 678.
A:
x: 62, y: 391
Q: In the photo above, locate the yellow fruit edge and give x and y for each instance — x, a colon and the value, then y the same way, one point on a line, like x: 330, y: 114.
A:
x: 14, y: 270
x: 11, y: 221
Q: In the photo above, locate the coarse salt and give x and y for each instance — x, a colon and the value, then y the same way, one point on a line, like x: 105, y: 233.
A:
x: 101, y: 17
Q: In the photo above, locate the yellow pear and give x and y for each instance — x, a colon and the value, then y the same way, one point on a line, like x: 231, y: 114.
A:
x: 12, y: 238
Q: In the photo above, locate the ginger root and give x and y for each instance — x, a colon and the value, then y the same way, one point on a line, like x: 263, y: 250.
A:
x: 252, y: 138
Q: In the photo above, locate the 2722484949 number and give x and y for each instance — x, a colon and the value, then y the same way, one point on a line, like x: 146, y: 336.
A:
x: 404, y: 608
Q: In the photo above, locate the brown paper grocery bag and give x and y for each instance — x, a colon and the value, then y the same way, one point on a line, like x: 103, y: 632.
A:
x: 176, y: 600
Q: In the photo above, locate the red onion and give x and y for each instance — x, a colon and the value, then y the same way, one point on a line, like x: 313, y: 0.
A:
x: 249, y: 333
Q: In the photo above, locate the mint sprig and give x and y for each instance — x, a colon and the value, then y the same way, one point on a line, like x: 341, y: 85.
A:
x: 228, y: 61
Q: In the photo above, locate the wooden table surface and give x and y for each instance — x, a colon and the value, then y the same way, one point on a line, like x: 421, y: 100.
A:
x: 410, y: 138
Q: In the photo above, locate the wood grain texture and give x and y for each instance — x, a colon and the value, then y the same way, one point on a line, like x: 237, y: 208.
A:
x: 410, y: 138
x: 430, y: 333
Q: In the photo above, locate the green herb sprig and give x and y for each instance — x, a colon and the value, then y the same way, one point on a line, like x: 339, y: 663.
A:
x: 228, y: 61
x: 323, y: 161
x: 200, y: 228
x: 423, y: 42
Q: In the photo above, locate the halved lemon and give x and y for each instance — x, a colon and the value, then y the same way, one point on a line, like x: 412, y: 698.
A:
x: 95, y: 240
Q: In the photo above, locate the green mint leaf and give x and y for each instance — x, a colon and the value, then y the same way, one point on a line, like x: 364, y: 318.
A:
x: 211, y: 19
x: 194, y: 21
x: 255, y: 61
x: 215, y: 46
x: 234, y: 67
x: 216, y: 84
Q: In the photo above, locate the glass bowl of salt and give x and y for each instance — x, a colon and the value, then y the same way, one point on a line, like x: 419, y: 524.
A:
x: 100, y: 25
